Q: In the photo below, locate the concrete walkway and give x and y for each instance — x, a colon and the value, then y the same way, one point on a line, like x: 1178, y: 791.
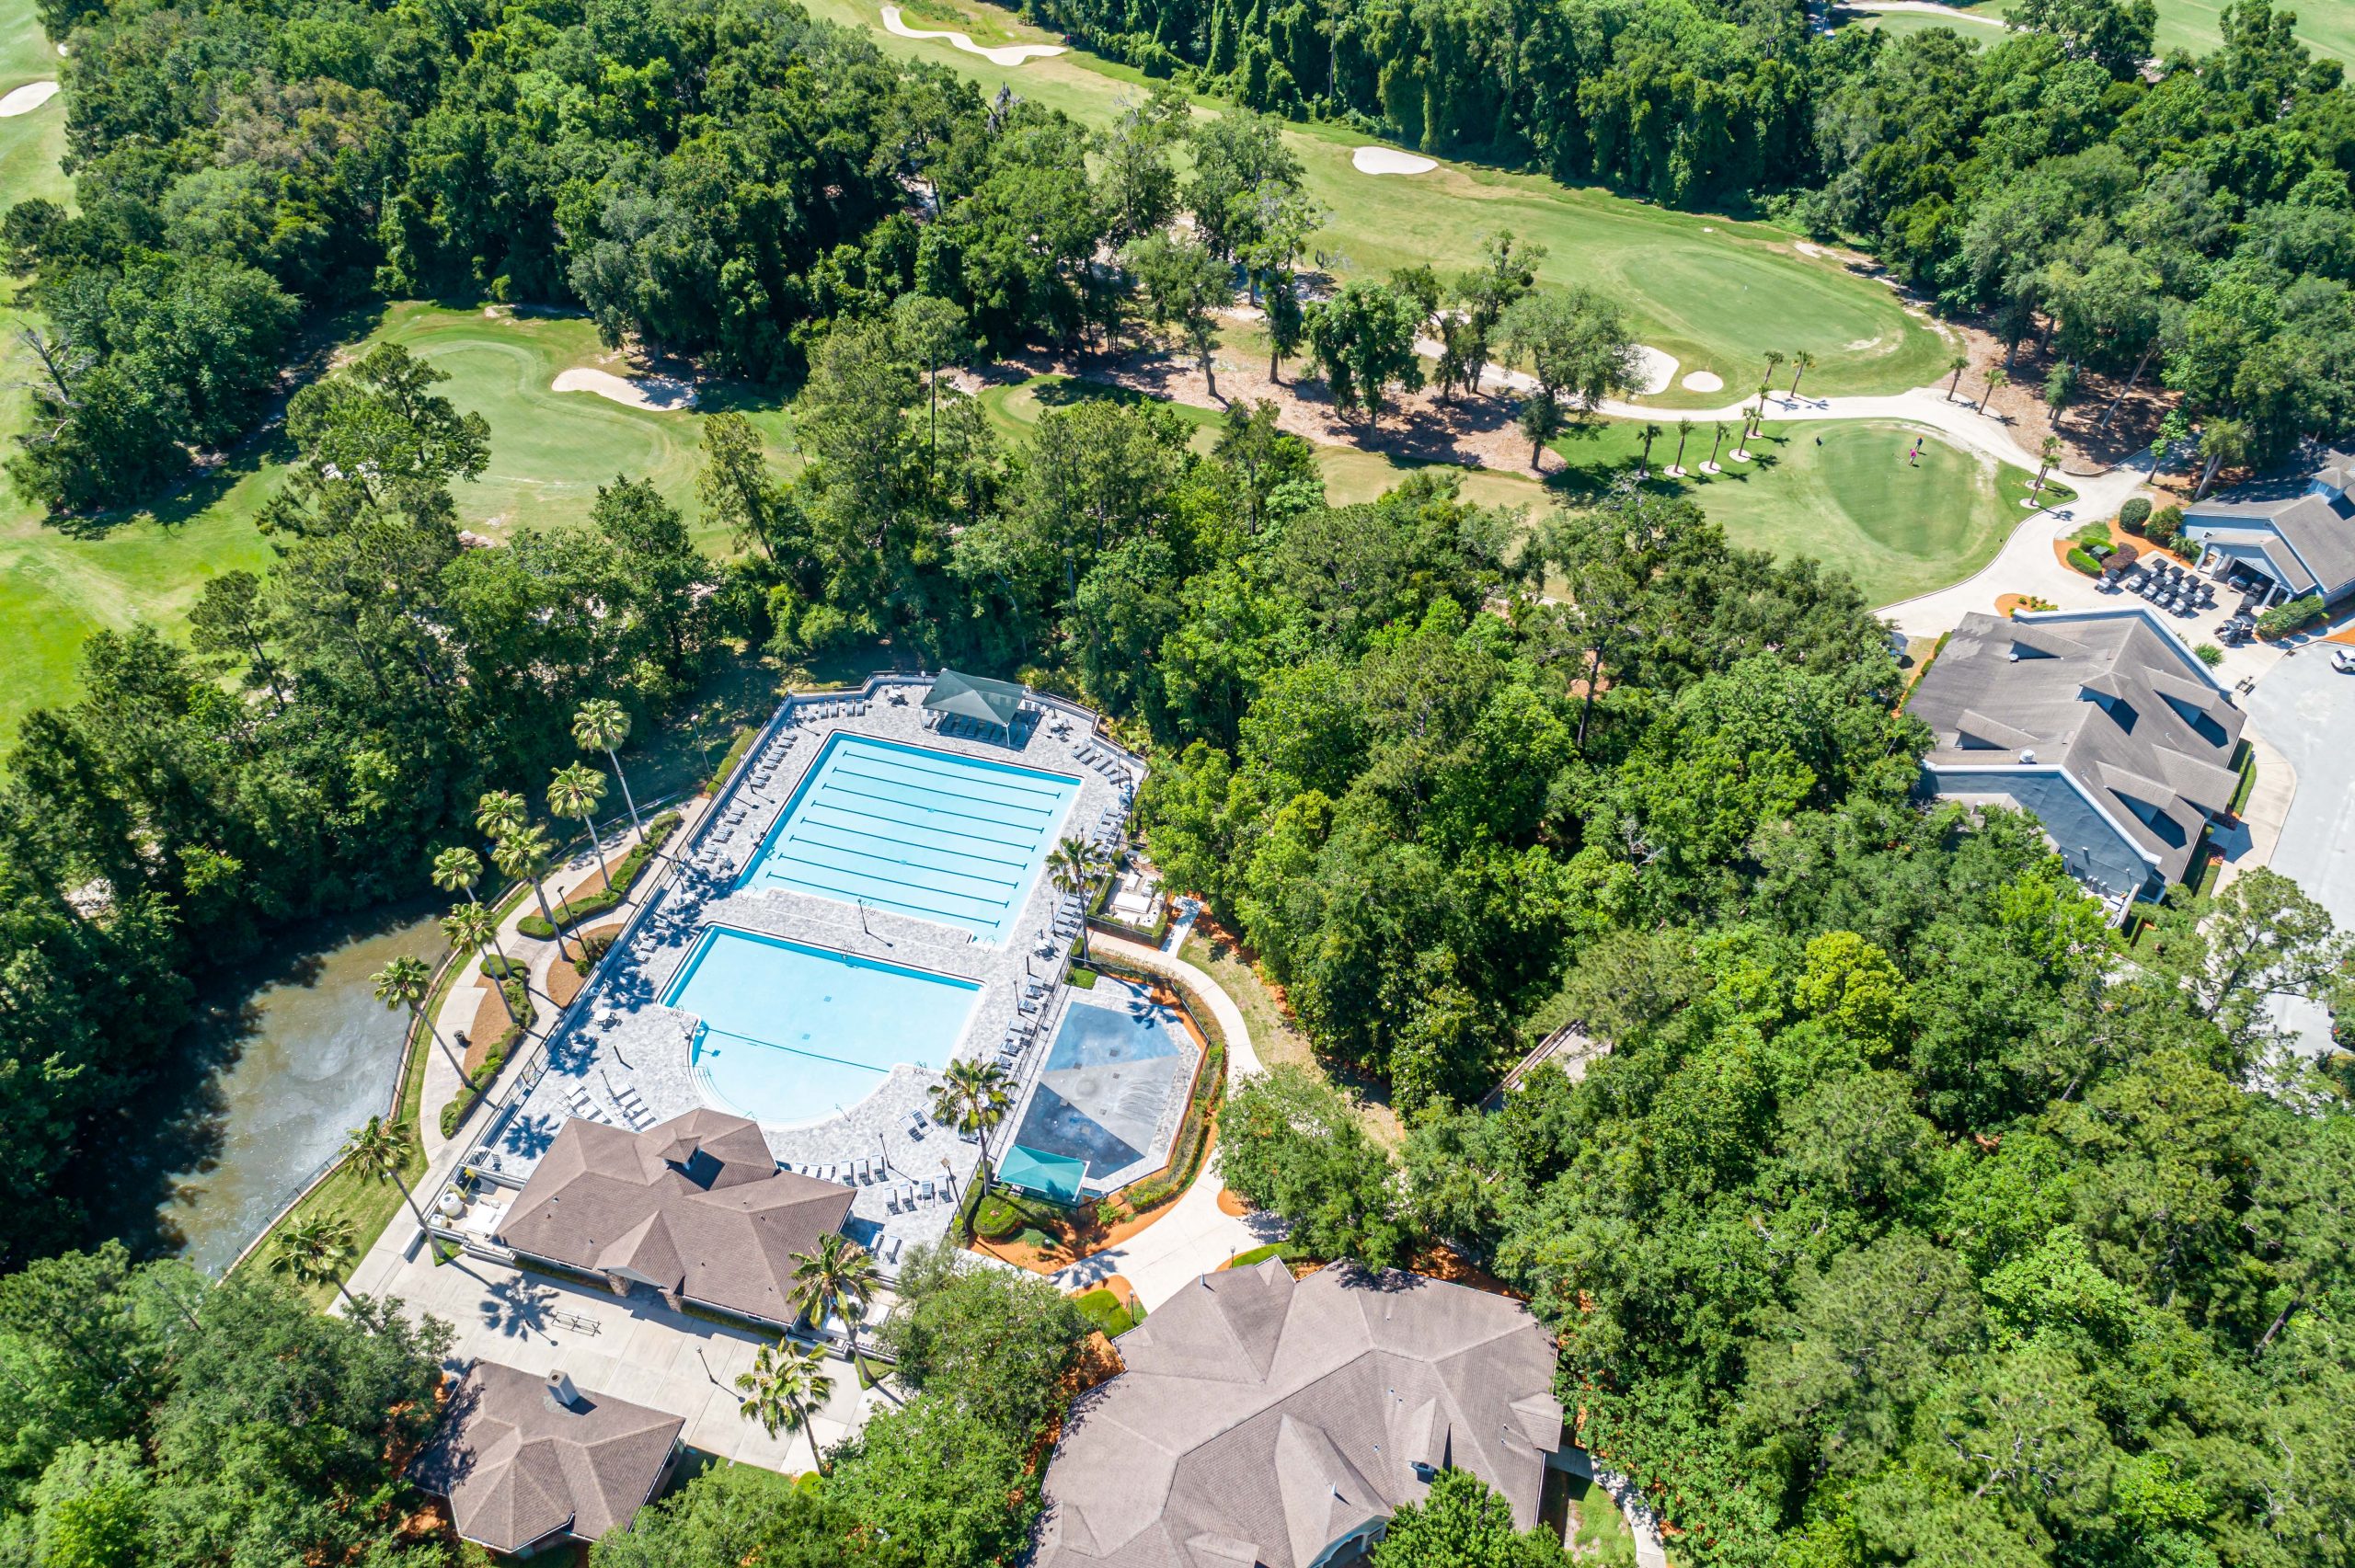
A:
x: 1195, y: 1237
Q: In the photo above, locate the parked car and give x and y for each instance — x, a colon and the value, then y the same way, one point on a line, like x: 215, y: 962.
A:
x: 2343, y: 660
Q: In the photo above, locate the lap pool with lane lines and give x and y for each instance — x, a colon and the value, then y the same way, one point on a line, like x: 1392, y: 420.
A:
x: 942, y: 837
x: 790, y: 1033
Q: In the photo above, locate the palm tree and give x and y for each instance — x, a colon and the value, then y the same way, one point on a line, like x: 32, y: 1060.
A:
x: 837, y: 1278
x: 405, y: 982
x: 1683, y: 434
x: 1996, y: 376
x: 456, y: 870
x: 1072, y: 866
x: 785, y: 1381
x: 526, y: 853
x: 380, y: 1151
x: 315, y: 1251
x: 2046, y: 455
x: 575, y: 792
x: 1750, y: 417
x: 500, y: 812
x: 1767, y: 382
x: 601, y: 725
x: 1958, y: 364
x: 1799, y: 363
x: 470, y: 928
x: 974, y: 1097
x: 1643, y: 464
x: 1716, y: 441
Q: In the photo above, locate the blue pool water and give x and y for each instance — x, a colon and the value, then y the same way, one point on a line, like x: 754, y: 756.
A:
x: 945, y: 838
x: 791, y: 1033
x: 1114, y: 1078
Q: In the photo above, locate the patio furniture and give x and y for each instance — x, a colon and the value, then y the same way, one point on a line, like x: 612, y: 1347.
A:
x: 916, y: 1124
x: 927, y: 1189
x: 908, y: 1194
x: 890, y: 1249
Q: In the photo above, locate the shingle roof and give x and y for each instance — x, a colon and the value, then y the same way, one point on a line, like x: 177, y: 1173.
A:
x: 696, y: 1204
x: 1260, y: 1420
x: 515, y: 1464
x: 2108, y: 696
x: 2318, y: 522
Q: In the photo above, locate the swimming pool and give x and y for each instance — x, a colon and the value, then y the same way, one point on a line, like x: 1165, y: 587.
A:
x: 958, y: 839
x: 1114, y: 1081
x: 791, y: 1033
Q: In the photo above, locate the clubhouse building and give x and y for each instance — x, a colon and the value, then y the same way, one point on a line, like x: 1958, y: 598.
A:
x: 2284, y: 539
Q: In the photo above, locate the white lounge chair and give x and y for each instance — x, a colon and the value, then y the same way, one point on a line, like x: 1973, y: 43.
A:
x: 927, y: 1189
x: 890, y: 1249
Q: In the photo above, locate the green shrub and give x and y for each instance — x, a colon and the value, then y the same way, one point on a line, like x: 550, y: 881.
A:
x: 2134, y: 513
x: 496, y: 967
x: 998, y: 1217
x: 2092, y: 534
x: 2209, y: 654
x: 602, y: 899
x: 591, y: 948
x: 2165, y: 527
x: 1081, y: 979
x: 2293, y: 616
x: 743, y: 743
x: 2084, y: 562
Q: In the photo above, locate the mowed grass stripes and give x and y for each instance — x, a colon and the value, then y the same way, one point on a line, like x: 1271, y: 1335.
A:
x: 941, y: 837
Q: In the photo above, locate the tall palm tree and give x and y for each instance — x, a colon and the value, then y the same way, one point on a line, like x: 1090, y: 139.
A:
x: 1749, y: 417
x: 470, y: 929
x: 406, y: 982
x: 1799, y: 363
x: 575, y: 792
x: 1767, y: 382
x: 1958, y: 364
x: 1996, y: 376
x: 380, y: 1151
x: 786, y: 1381
x: 500, y: 812
x: 2046, y: 455
x: 456, y: 870
x: 1716, y: 441
x: 526, y: 853
x: 836, y: 1278
x: 974, y: 1097
x: 1683, y: 434
x: 315, y: 1251
x: 601, y: 725
x: 1643, y: 464
x: 1072, y: 866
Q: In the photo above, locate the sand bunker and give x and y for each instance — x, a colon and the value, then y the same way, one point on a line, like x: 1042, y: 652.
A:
x: 660, y: 393
x: 29, y: 98
x: 1702, y: 381
x: 1390, y: 160
x: 1009, y: 54
x: 1654, y: 370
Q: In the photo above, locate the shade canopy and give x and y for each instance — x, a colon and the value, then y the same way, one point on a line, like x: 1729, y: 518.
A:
x: 976, y: 697
x: 1055, y: 1177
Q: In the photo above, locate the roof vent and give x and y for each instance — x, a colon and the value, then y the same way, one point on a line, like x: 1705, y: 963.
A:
x: 2027, y: 755
x: 561, y: 1390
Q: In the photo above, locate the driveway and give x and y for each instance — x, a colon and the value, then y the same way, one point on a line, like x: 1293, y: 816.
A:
x: 2306, y: 710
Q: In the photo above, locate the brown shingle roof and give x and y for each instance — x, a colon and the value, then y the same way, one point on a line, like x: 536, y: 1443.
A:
x: 1260, y: 1420
x: 695, y: 1205
x: 516, y: 1465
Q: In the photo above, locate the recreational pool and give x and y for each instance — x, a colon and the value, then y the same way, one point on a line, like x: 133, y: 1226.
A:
x: 1114, y: 1084
x: 947, y: 837
x: 789, y: 1034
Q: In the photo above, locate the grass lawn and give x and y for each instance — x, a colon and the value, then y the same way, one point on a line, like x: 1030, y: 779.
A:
x: 1111, y: 1316
x: 1839, y: 490
x: 2326, y: 26
x: 1713, y: 291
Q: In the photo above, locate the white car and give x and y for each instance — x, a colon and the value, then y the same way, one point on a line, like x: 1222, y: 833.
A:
x: 2343, y: 660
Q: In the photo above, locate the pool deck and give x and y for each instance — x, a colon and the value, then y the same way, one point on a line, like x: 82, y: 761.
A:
x: 620, y: 1035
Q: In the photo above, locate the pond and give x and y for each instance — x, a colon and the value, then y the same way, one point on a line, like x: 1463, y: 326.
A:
x: 285, y: 1057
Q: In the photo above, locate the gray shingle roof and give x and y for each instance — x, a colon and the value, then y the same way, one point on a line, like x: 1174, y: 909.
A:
x: 695, y: 1205
x: 2316, y: 519
x: 2109, y: 696
x: 517, y: 1465
x: 1260, y: 1420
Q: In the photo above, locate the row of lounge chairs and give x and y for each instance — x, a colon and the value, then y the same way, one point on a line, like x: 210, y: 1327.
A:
x: 829, y: 707
x: 633, y: 1108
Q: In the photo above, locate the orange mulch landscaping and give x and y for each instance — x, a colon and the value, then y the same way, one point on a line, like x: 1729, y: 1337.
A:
x: 564, y: 983
x: 1441, y: 1264
x: 491, y: 1022
x: 2007, y: 602
x: 1232, y: 1204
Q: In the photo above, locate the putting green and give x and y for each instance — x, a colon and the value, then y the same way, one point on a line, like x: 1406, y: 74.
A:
x: 1714, y: 293
x: 1838, y: 489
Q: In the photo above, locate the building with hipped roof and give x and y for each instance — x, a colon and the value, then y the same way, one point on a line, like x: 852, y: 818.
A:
x: 694, y: 1208
x: 528, y: 1462
x: 2288, y: 539
x: 1264, y: 1420
x: 2098, y: 722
